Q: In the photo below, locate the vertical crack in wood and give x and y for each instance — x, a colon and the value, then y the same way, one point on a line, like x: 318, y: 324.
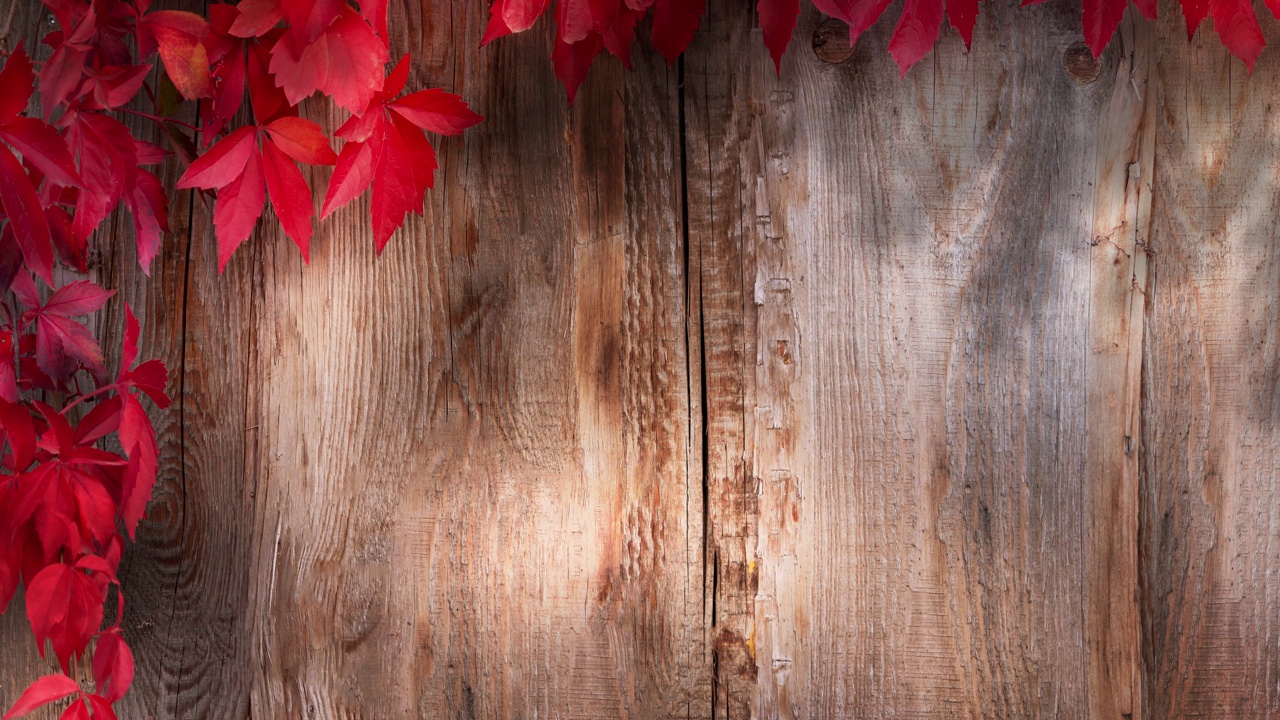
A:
x: 694, y: 303
x: 716, y: 125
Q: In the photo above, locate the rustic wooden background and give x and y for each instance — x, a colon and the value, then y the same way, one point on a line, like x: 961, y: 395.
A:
x: 721, y: 394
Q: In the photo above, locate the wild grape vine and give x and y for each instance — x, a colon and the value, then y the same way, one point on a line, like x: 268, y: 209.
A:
x: 80, y: 455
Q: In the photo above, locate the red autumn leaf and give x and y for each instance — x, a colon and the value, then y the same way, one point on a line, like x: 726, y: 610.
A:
x: 68, y: 494
x: 104, y: 149
x: 497, y: 27
x: 375, y: 13
x: 289, y: 195
x: 244, y: 175
x: 674, y: 23
x: 838, y: 9
x: 1238, y: 27
x: 238, y: 208
x: 301, y: 140
x: 64, y: 607
x: 269, y: 102
x: 1101, y: 18
x: 778, y: 21
x: 129, y: 347
x: 344, y: 62
x: 862, y: 15
x: 101, y: 708
x: 575, y: 20
x: 386, y: 148
x: 148, y: 205
x: 519, y: 15
x: 99, y: 422
x: 1195, y: 11
x: 222, y: 163
x: 178, y: 36
x: 435, y: 111
x: 395, y: 188
x: 150, y: 377
x: 60, y: 77
x: 108, y: 158
x: 1148, y: 7
x: 59, y: 337
x: 617, y: 39
x: 228, y: 92
x: 48, y: 689
x: 351, y: 176
x: 309, y: 18
x: 9, y: 569
x: 42, y: 147
x: 19, y: 430
x: 112, y: 86
x: 78, y: 710
x: 17, y: 81
x: 916, y: 32
x: 138, y: 438
x: 24, y: 211
x: 963, y: 15
x: 61, y: 74
x: 573, y: 61
x: 73, y: 251
x: 256, y: 17
x: 112, y: 666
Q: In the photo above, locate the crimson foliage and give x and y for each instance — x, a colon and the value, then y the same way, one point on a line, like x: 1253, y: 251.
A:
x: 587, y: 28
x: 78, y: 452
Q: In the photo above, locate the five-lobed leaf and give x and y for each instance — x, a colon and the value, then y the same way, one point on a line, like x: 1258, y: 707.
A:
x: 386, y: 150
x: 252, y: 164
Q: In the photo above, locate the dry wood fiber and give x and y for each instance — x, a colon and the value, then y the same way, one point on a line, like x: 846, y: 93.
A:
x: 729, y: 394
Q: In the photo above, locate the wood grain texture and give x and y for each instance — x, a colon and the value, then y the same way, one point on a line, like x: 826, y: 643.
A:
x: 918, y: 411
x: 1210, y: 513
x: 1118, y: 283
x: 716, y: 127
x: 729, y: 394
x: 476, y: 448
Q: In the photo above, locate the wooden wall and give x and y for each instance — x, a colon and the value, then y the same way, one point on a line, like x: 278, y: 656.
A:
x: 726, y: 394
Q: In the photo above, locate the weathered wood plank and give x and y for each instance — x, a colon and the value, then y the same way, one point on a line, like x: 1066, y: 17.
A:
x: 917, y: 414
x: 724, y: 393
x: 1118, y: 284
x: 476, y: 447
x: 716, y: 127
x: 1210, y: 514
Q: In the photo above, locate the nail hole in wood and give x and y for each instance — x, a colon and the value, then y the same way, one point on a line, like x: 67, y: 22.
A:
x: 831, y: 42
x: 1080, y: 64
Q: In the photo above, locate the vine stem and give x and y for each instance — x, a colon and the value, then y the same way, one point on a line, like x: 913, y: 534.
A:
x: 82, y: 398
x: 160, y: 120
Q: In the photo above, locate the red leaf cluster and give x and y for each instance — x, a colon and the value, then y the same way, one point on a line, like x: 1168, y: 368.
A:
x: 78, y: 453
x: 586, y: 28
x: 281, y: 52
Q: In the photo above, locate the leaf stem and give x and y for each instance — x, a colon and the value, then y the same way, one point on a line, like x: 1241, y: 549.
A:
x: 82, y: 398
x: 160, y: 120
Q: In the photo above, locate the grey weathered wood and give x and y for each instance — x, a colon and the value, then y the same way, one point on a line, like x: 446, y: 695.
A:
x: 920, y: 304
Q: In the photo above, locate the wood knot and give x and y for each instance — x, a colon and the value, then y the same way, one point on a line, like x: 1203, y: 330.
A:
x: 1080, y: 64
x: 831, y: 42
